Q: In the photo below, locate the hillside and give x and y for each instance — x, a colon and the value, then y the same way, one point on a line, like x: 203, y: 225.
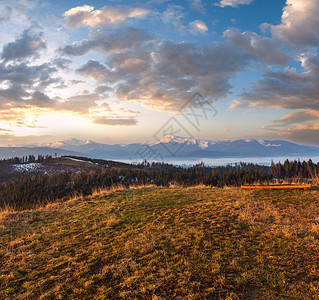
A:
x: 158, y: 243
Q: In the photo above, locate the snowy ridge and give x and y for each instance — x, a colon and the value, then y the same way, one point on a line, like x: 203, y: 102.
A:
x: 170, y: 138
x: 183, y: 147
x: 69, y: 142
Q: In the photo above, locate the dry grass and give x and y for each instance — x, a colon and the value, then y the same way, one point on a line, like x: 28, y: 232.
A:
x: 160, y: 243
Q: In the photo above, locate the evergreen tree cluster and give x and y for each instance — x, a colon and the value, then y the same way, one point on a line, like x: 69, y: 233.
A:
x: 25, y: 160
x: 295, y: 171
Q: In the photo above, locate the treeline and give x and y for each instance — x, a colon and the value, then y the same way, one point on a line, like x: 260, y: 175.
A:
x: 30, y: 192
x: 25, y: 159
x: 295, y: 171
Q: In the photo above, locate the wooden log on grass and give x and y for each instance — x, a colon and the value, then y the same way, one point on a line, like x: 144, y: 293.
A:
x: 277, y: 187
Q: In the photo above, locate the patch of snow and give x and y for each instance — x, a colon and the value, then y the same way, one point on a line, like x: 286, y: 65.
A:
x: 27, y: 167
x: 74, y: 159
x: 261, y: 142
x: 273, y: 145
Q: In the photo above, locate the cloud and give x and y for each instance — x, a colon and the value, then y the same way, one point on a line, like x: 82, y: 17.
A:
x: 197, y: 27
x: 27, y: 86
x: 233, y: 3
x: 17, y: 97
x: 237, y: 104
x: 304, y: 133
x: 27, y: 123
x: 5, y: 130
x: 61, y: 63
x: 287, y: 89
x: 101, y: 89
x: 77, y: 48
x: 164, y: 73
x: 129, y: 111
x: 95, y: 70
x: 75, y: 82
x: 39, y: 99
x: 79, y: 103
x: 36, y: 87
x: 301, y: 126
x: 11, y: 140
x: 5, y: 13
x: 106, y: 41
x: 299, y: 23
x: 160, y: 73
x: 262, y: 49
x: 174, y: 16
x: 116, y: 121
x: 108, y: 15
x: 198, y: 6
x: 24, y: 85
x: 27, y: 45
x: 27, y: 75
x: 15, y: 12
x: 164, y: 77
x: 126, y: 65
x: 296, y: 117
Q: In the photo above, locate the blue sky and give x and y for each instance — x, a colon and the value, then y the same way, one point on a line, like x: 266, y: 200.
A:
x: 116, y: 71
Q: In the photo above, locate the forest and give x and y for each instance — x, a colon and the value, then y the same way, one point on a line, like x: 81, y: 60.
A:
x: 34, y: 190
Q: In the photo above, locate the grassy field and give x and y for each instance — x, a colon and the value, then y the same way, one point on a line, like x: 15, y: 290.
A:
x: 157, y: 243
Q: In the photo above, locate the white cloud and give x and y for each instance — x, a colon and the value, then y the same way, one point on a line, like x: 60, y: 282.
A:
x: 266, y: 50
x: 87, y: 16
x: 299, y: 23
x: 233, y: 3
x: 78, y: 10
x: 197, y: 27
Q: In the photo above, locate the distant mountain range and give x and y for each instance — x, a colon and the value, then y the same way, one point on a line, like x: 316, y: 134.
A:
x: 170, y: 146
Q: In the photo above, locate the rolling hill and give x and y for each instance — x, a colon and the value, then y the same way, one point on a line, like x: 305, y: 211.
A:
x: 159, y: 243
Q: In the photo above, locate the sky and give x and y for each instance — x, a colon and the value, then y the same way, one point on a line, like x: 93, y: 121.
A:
x: 130, y: 71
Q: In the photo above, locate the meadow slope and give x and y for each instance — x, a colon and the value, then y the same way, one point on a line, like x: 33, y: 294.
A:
x: 159, y: 243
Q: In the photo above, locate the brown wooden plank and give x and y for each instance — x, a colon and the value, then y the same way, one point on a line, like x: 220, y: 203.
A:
x: 277, y: 187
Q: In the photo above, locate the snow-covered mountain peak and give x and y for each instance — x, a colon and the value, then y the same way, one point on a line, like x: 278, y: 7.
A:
x: 203, y: 144
x: 69, y: 142
x: 170, y: 138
